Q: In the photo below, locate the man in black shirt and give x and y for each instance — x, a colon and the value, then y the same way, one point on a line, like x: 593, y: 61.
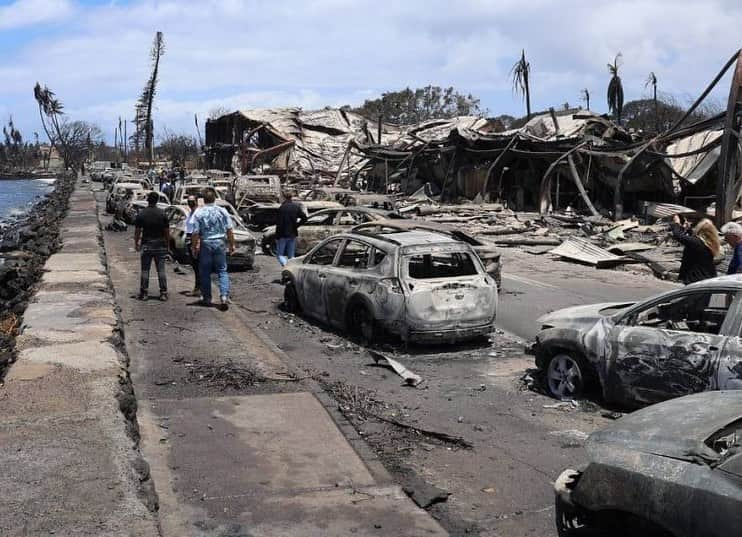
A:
x: 152, y: 238
x: 290, y: 217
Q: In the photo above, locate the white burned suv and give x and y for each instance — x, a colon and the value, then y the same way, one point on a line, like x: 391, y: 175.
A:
x: 423, y: 287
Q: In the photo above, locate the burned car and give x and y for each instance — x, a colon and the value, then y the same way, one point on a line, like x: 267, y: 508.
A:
x: 423, y: 287
x: 677, y: 343
x: 487, y: 251
x: 326, y: 223
x: 244, y: 255
x: 672, y: 469
x: 138, y: 201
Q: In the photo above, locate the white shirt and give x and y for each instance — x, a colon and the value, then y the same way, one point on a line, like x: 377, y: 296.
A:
x: 190, y: 222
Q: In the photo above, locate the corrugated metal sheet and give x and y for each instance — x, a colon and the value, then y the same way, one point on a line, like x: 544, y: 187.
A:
x: 584, y: 251
x: 692, y: 168
x: 666, y: 210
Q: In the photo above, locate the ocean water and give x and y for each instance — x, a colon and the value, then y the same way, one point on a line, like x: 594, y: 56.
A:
x: 18, y: 195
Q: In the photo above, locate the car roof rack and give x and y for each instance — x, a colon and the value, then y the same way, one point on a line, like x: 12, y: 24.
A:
x: 377, y: 236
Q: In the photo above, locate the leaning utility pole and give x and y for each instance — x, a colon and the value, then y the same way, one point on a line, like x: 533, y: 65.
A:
x: 729, y: 187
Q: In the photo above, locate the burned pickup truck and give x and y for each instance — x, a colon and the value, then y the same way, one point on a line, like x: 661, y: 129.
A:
x: 423, y: 287
x: 677, y: 343
x: 670, y: 470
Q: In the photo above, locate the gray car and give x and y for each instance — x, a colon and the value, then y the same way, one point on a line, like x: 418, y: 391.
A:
x: 672, y: 469
x: 677, y: 343
x: 421, y: 286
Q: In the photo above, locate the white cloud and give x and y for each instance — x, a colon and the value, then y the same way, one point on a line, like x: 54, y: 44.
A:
x: 22, y: 13
x: 240, y: 53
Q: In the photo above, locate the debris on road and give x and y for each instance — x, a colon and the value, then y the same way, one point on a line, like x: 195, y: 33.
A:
x: 226, y: 375
x: 410, y: 378
x: 424, y: 494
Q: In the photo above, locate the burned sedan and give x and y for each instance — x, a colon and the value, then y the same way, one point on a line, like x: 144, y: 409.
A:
x: 680, y: 342
x: 672, y: 469
x: 422, y: 287
x: 244, y: 255
x: 487, y: 251
x: 325, y: 223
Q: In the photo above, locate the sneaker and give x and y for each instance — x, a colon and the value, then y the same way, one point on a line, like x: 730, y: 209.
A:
x: 225, y: 303
x: 163, y: 296
x: 204, y: 303
x: 142, y: 295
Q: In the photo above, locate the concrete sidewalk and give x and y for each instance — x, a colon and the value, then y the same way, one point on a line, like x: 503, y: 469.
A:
x: 70, y: 465
x: 265, y: 460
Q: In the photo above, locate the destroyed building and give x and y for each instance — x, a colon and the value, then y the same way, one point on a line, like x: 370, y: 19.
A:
x: 571, y: 158
x: 561, y: 159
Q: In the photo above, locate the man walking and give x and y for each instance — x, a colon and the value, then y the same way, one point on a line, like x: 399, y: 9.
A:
x: 151, y: 238
x: 193, y: 258
x: 290, y: 216
x: 732, y: 232
x: 212, y: 229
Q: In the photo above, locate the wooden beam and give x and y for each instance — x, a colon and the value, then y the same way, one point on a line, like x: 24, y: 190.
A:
x: 728, y: 188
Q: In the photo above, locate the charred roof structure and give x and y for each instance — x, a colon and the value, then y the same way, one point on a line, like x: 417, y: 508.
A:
x: 570, y: 158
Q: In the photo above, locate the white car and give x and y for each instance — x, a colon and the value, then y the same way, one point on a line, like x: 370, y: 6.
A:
x: 244, y: 255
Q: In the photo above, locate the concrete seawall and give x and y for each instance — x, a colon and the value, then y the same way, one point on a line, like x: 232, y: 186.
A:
x: 71, y: 463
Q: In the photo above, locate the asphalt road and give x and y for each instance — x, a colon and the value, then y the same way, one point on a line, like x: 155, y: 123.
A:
x: 521, y: 439
x: 535, y: 285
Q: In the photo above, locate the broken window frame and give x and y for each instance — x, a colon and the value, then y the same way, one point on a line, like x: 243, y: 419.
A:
x: 354, y: 242
x: 466, y: 272
x: 726, y: 327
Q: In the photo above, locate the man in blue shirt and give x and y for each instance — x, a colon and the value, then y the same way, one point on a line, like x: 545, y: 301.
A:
x: 212, y: 229
x: 733, y: 235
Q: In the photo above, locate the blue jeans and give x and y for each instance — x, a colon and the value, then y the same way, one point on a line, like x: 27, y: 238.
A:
x: 213, y: 258
x: 285, y: 249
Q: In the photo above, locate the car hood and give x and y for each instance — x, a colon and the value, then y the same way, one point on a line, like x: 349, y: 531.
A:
x: 580, y: 315
x: 676, y: 428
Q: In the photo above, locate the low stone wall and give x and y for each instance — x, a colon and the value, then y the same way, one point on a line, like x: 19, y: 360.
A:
x: 25, y: 245
x: 69, y: 454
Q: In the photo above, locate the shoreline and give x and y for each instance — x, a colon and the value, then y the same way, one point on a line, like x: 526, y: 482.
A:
x: 26, y: 175
x: 26, y: 242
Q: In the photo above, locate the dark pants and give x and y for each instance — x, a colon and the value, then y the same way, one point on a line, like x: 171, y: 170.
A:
x: 156, y: 250
x: 193, y: 260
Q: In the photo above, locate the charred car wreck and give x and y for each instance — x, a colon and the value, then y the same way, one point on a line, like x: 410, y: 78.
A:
x: 670, y: 470
x: 674, y: 344
x: 423, y: 287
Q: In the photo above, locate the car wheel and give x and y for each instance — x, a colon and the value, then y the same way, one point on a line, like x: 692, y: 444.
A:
x: 269, y: 247
x: 569, y: 521
x: 291, y: 298
x: 361, y: 323
x: 566, y: 376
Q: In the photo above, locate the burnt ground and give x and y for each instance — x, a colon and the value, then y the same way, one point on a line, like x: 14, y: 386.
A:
x: 520, y: 440
x: 472, y: 439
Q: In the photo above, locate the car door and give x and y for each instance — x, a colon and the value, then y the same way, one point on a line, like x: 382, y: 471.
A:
x: 314, y: 273
x: 348, y: 275
x: 668, y: 347
x: 317, y: 228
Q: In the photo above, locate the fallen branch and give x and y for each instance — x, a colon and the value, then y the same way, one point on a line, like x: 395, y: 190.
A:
x: 443, y: 437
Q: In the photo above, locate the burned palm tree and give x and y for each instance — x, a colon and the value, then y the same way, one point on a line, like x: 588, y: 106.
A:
x: 652, y: 81
x: 615, y: 89
x: 50, y: 108
x: 521, y: 74
x: 143, y: 117
x: 585, y: 97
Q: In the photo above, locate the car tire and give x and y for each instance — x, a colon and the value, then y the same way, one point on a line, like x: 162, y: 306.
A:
x: 269, y: 247
x: 569, y: 523
x: 291, y: 298
x: 361, y: 324
x: 568, y: 376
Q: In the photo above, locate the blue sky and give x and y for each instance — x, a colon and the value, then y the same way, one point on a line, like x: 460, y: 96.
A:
x: 313, y: 53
